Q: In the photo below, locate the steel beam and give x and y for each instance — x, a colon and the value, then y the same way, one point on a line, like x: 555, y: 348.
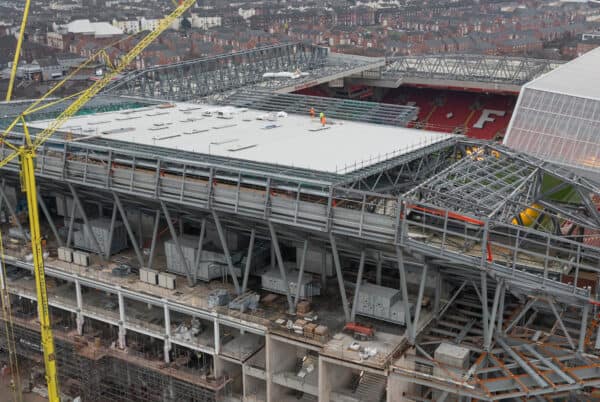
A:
x: 522, y: 363
x: 71, y: 223
x: 413, y: 334
x: 301, y: 273
x: 454, y: 296
x: 134, y: 243
x: 340, y: 278
x: 154, y: 238
x: 282, y: 269
x: 521, y: 314
x: 175, y: 238
x: 404, y: 291
x: 361, y: 268
x: 225, y: 247
x: 583, y: 328
x: 44, y: 209
x: 249, y: 260
x: 561, y: 324
x: 86, y: 221
x: 199, y: 252
x: 484, y: 304
x: 111, y: 231
x: 488, y: 339
x: 548, y: 363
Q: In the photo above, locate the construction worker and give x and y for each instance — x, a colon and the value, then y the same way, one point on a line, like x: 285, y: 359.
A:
x: 312, y: 112
x: 323, y: 120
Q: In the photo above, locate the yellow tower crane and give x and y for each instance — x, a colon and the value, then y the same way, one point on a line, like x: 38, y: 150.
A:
x: 26, y: 155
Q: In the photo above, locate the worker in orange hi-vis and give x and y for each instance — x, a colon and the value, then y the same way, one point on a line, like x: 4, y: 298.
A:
x: 323, y: 120
x: 312, y: 112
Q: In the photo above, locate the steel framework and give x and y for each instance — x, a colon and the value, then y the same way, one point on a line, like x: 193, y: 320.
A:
x: 468, y: 239
x: 345, y: 109
x: 446, y: 208
x: 206, y: 76
x: 469, y: 67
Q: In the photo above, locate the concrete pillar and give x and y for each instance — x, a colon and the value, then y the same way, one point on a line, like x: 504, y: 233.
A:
x: 268, y: 366
x: 79, y: 320
x: 121, y: 343
x: 167, y: 345
x: 324, y: 383
x: 217, y: 331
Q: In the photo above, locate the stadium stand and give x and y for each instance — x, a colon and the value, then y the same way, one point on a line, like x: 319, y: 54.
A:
x: 477, y: 115
x: 484, y: 116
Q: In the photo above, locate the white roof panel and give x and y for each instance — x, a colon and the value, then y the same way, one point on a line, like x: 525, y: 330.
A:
x: 579, y: 77
x: 289, y: 140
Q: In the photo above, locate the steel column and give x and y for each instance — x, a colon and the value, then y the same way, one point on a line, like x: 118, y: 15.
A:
x: 177, y: 243
x: 583, y: 328
x: 282, y: 270
x: 415, y: 325
x: 44, y: 209
x: 301, y: 273
x: 71, y: 223
x: 488, y: 339
x: 226, y: 251
x: 199, y: 252
x: 484, y: 305
x: 361, y: 268
x: 404, y: 290
x: 86, y: 221
x: 154, y: 238
x: 340, y: 278
x: 249, y: 260
x: 111, y: 230
x: 134, y: 242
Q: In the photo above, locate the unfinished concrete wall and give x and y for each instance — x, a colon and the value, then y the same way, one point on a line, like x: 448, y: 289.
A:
x: 332, y: 377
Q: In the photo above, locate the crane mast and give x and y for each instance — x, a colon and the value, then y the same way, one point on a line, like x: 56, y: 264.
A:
x: 26, y: 155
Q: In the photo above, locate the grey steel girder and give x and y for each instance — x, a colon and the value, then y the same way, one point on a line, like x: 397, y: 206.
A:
x: 470, y: 67
x: 206, y: 76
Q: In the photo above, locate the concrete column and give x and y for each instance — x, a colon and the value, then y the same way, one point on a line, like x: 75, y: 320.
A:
x: 167, y: 345
x: 79, y: 320
x: 268, y: 368
x: 217, y: 332
x: 324, y: 383
x: 122, y: 344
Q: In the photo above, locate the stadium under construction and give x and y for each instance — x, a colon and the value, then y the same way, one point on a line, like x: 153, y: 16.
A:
x: 208, y: 237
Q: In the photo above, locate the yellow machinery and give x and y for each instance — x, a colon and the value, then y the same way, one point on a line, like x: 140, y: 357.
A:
x: 528, y: 216
x: 26, y: 155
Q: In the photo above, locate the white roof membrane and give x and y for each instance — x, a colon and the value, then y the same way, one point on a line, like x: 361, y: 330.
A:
x: 274, y: 138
